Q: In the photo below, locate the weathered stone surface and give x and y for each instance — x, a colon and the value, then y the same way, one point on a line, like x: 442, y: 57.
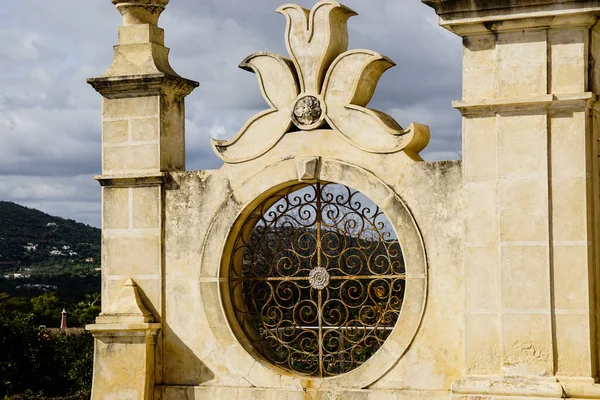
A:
x: 142, y: 137
x: 124, y: 350
x: 501, y: 255
x: 529, y: 186
x: 497, y: 6
x: 322, y: 83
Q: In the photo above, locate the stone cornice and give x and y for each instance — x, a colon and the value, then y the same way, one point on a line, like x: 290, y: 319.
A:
x: 549, y: 102
x: 469, y: 17
x: 142, y: 85
x: 462, y: 6
x: 132, y: 180
x: 113, y: 331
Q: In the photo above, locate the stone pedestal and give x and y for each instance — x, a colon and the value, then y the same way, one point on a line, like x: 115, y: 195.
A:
x: 124, y: 350
x: 142, y: 141
x: 530, y: 174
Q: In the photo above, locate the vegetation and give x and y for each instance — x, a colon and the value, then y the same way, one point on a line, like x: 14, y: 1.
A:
x: 47, y: 264
x: 31, y: 237
x: 39, y: 362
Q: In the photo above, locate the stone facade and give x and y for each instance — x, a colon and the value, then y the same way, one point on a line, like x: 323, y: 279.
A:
x: 501, y: 250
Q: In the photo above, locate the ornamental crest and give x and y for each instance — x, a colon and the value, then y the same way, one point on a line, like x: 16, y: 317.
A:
x: 322, y: 86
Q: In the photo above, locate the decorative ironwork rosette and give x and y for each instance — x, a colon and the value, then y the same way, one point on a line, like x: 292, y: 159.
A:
x: 317, y: 279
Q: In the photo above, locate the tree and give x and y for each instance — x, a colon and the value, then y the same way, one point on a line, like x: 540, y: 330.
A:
x: 11, y: 305
x: 42, y: 362
x: 47, y: 308
x: 87, y: 310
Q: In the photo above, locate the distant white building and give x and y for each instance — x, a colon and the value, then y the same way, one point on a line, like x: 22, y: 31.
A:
x: 17, y: 276
x: 30, y: 247
x: 40, y: 286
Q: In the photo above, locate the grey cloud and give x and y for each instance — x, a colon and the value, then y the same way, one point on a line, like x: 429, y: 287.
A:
x: 425, y: 80
x: 50, y: 118
x: 76, y: 197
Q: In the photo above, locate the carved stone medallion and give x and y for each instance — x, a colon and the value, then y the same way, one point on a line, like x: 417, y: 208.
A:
x: 318, y: 278
x: 307, y: 112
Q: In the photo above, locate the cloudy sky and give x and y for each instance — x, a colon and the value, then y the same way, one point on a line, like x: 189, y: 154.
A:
x: 50, y: 118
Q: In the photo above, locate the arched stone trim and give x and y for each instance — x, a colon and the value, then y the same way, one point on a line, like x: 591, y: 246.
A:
x: 236, y: 350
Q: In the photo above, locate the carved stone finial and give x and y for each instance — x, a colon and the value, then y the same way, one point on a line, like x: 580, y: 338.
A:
x: 128, y: 307
x: 137, y: 12
x: 321, y: 84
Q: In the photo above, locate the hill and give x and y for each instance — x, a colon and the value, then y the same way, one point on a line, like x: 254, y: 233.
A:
x: 29, y: 237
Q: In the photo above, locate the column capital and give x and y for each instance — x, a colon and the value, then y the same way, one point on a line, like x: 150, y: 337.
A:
x: 136, y: 12
x: 468, y: 17
x: 142, y: 85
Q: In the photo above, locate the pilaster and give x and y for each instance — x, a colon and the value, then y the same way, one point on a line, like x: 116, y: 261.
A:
x: 530, y: 173
x: 143, y: 118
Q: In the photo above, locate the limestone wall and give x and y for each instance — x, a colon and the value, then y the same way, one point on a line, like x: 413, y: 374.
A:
x: 501, y: 250
x: 201, y: 348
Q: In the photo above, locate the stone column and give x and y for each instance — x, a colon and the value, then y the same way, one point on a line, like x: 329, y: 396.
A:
x: 142, y: 141
x: 530, y: 172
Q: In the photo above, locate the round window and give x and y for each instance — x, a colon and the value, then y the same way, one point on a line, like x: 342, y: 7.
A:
x: 317, y: 279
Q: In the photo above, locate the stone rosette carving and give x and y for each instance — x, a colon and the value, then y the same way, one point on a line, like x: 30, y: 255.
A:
x: 323, y: 83
x: 307, y: 112
x: 318, y: 278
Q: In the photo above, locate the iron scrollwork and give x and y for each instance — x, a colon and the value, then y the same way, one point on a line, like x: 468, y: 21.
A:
x: 317, y: 279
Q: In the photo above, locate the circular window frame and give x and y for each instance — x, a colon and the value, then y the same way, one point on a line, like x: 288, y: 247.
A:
x: 320, y: 205
x: 236, y: 350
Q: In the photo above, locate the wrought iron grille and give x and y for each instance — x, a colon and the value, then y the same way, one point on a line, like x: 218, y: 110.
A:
x: 317, y: 279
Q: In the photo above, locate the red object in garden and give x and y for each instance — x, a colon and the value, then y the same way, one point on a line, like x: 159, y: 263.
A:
x: 63, y: 320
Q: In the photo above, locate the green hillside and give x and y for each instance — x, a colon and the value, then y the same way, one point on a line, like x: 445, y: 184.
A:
x: 47, y: 264
x: 29, y: 237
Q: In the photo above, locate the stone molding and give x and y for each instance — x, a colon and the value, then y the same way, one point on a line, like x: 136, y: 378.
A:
x: 145, y: 330
x: 142, y: 85
x: 469, y: 17
x: 535, y: 103
x: 456, y: 6
x: 132, y: 180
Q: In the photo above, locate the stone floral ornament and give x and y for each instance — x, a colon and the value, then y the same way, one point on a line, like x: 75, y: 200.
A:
x: 323, y: 84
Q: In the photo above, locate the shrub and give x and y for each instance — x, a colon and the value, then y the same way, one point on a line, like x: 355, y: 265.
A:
x: 42, y: 362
